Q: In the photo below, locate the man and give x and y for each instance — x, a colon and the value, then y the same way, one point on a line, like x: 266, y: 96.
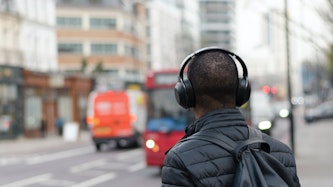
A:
x: 213, y: 91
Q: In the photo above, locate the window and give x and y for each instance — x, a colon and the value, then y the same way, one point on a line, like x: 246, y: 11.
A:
x: 103, y: 23
x: 132, y: 51
x: 216, y: 18
x: 65, y: 107
x: 32, y: 117
x: 104, y: 49
x: 69, y: 22
x: 70, y: 48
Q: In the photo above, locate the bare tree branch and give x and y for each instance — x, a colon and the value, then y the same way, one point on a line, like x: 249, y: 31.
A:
x: 327, y: 14
x: 330, y: 3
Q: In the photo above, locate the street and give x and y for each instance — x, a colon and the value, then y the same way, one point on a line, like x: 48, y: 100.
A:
x: 55, y: 162
x: 77, y: 166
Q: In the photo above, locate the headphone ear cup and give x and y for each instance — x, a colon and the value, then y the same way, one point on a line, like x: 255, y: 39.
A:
x: 184, y: 93
x: 180, y: 92
x: 243, y: 92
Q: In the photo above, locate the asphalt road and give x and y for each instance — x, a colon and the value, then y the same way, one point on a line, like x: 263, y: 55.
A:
x: 79, y: 165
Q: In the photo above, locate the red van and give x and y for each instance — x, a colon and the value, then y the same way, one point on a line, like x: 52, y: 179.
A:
x: 113, y: 116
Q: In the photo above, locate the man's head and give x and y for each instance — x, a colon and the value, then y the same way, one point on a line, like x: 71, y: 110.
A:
x: 212, y: 80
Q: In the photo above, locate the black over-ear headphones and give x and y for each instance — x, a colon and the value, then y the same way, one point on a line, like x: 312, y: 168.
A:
x: 184, y: 92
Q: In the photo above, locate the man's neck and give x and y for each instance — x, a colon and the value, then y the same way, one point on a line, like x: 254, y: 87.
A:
x: 199, y: 111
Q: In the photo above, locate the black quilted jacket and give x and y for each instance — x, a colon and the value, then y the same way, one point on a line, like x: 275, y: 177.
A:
x: 200, y: 163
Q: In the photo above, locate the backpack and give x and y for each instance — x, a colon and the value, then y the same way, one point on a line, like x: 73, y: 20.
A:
x: 255, y: 166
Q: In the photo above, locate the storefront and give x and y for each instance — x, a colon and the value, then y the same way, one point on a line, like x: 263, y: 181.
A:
x: 11, y: 102
x: 51, y: 96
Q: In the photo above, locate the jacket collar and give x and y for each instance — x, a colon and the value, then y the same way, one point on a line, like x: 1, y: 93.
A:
x: 221, y: 117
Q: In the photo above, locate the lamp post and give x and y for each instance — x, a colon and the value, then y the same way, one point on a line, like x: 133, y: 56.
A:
x: 291, y: 117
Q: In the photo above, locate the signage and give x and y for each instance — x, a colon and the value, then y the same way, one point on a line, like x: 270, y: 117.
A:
x: 57, y: 81
x: 163, y: 79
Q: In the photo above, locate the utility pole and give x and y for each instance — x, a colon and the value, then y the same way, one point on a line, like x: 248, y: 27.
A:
x: 291, y: 116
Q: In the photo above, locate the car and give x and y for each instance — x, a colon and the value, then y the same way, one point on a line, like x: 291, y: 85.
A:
x: 281, y: 109
x: 262, y: 112
x: 322, y: 111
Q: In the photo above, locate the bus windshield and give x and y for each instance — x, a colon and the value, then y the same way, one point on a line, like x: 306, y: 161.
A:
x: 164, y: 113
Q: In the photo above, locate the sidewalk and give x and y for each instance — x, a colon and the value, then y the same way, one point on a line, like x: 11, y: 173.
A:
x: 24, y: 145
x: 314, y: 153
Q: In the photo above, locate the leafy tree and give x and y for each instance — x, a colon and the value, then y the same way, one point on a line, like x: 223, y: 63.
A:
x: 83, y: 65
x: 99, y: 67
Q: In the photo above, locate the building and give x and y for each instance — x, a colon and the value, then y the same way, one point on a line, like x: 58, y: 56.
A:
x: 48, y: 97
x: 27, y: 44
x: 96, y: 36
x: 261, y: 41
x: 10, y: 52
x: 217, y: 23
x: 11, y: 101
x: 173, y: 32
x: 37, y: 34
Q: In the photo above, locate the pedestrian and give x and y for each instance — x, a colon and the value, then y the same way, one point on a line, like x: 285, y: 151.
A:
x: 43, y: 128
x: 213, y: 91
x: 60, y: 125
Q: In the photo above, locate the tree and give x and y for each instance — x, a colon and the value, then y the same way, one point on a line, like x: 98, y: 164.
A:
x: 330, y: 61
x: 99, y: 67
x: 83, y: 65
x: 326, y: 13
x: 327, y: 16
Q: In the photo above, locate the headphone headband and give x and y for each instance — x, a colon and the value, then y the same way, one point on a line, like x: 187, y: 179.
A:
x: 207, y: 49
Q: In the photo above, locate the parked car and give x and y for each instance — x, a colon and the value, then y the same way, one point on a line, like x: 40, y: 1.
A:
x: 322, y: 111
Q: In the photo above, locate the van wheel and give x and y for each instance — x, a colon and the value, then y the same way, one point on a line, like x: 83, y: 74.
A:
x: 98, y: 147
x: 122, y: 144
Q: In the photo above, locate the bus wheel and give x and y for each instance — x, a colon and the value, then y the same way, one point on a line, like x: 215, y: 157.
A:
x: 98, y: 147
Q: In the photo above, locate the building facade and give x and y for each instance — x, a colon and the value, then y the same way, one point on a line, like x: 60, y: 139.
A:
x: 173, y: 32
x: 11, y: 101
x: 10, y: 26
x: 102, y: 36
x: 261, y: 38
x: 37, y: 34
x: 217, y: 23
x: 53, y: 96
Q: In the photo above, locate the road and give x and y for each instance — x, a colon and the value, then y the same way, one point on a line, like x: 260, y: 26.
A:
x: 79, y: 165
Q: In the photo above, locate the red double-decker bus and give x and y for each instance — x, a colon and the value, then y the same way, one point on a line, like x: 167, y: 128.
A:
x: 166, y: 119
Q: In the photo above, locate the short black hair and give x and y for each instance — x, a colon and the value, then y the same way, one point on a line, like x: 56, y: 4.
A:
x: 214, y: 77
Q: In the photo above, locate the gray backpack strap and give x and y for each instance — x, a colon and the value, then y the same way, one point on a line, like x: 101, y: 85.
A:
x: 255, y: 137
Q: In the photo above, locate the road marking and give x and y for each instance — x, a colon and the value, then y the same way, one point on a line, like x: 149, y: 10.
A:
x: 96, y: 180
x: 86, y: 166
x: 29, y: 181
x: 137, y: 167
x: 56, y: 182
x: 129, y: 154
x: 58, y: 155
x: 9, y: 161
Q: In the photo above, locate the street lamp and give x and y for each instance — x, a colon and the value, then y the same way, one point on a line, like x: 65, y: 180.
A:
x: 291, y: 117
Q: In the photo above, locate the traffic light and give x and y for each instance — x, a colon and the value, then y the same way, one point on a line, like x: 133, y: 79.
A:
x: 270, y: 90
x: 266, y: 89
